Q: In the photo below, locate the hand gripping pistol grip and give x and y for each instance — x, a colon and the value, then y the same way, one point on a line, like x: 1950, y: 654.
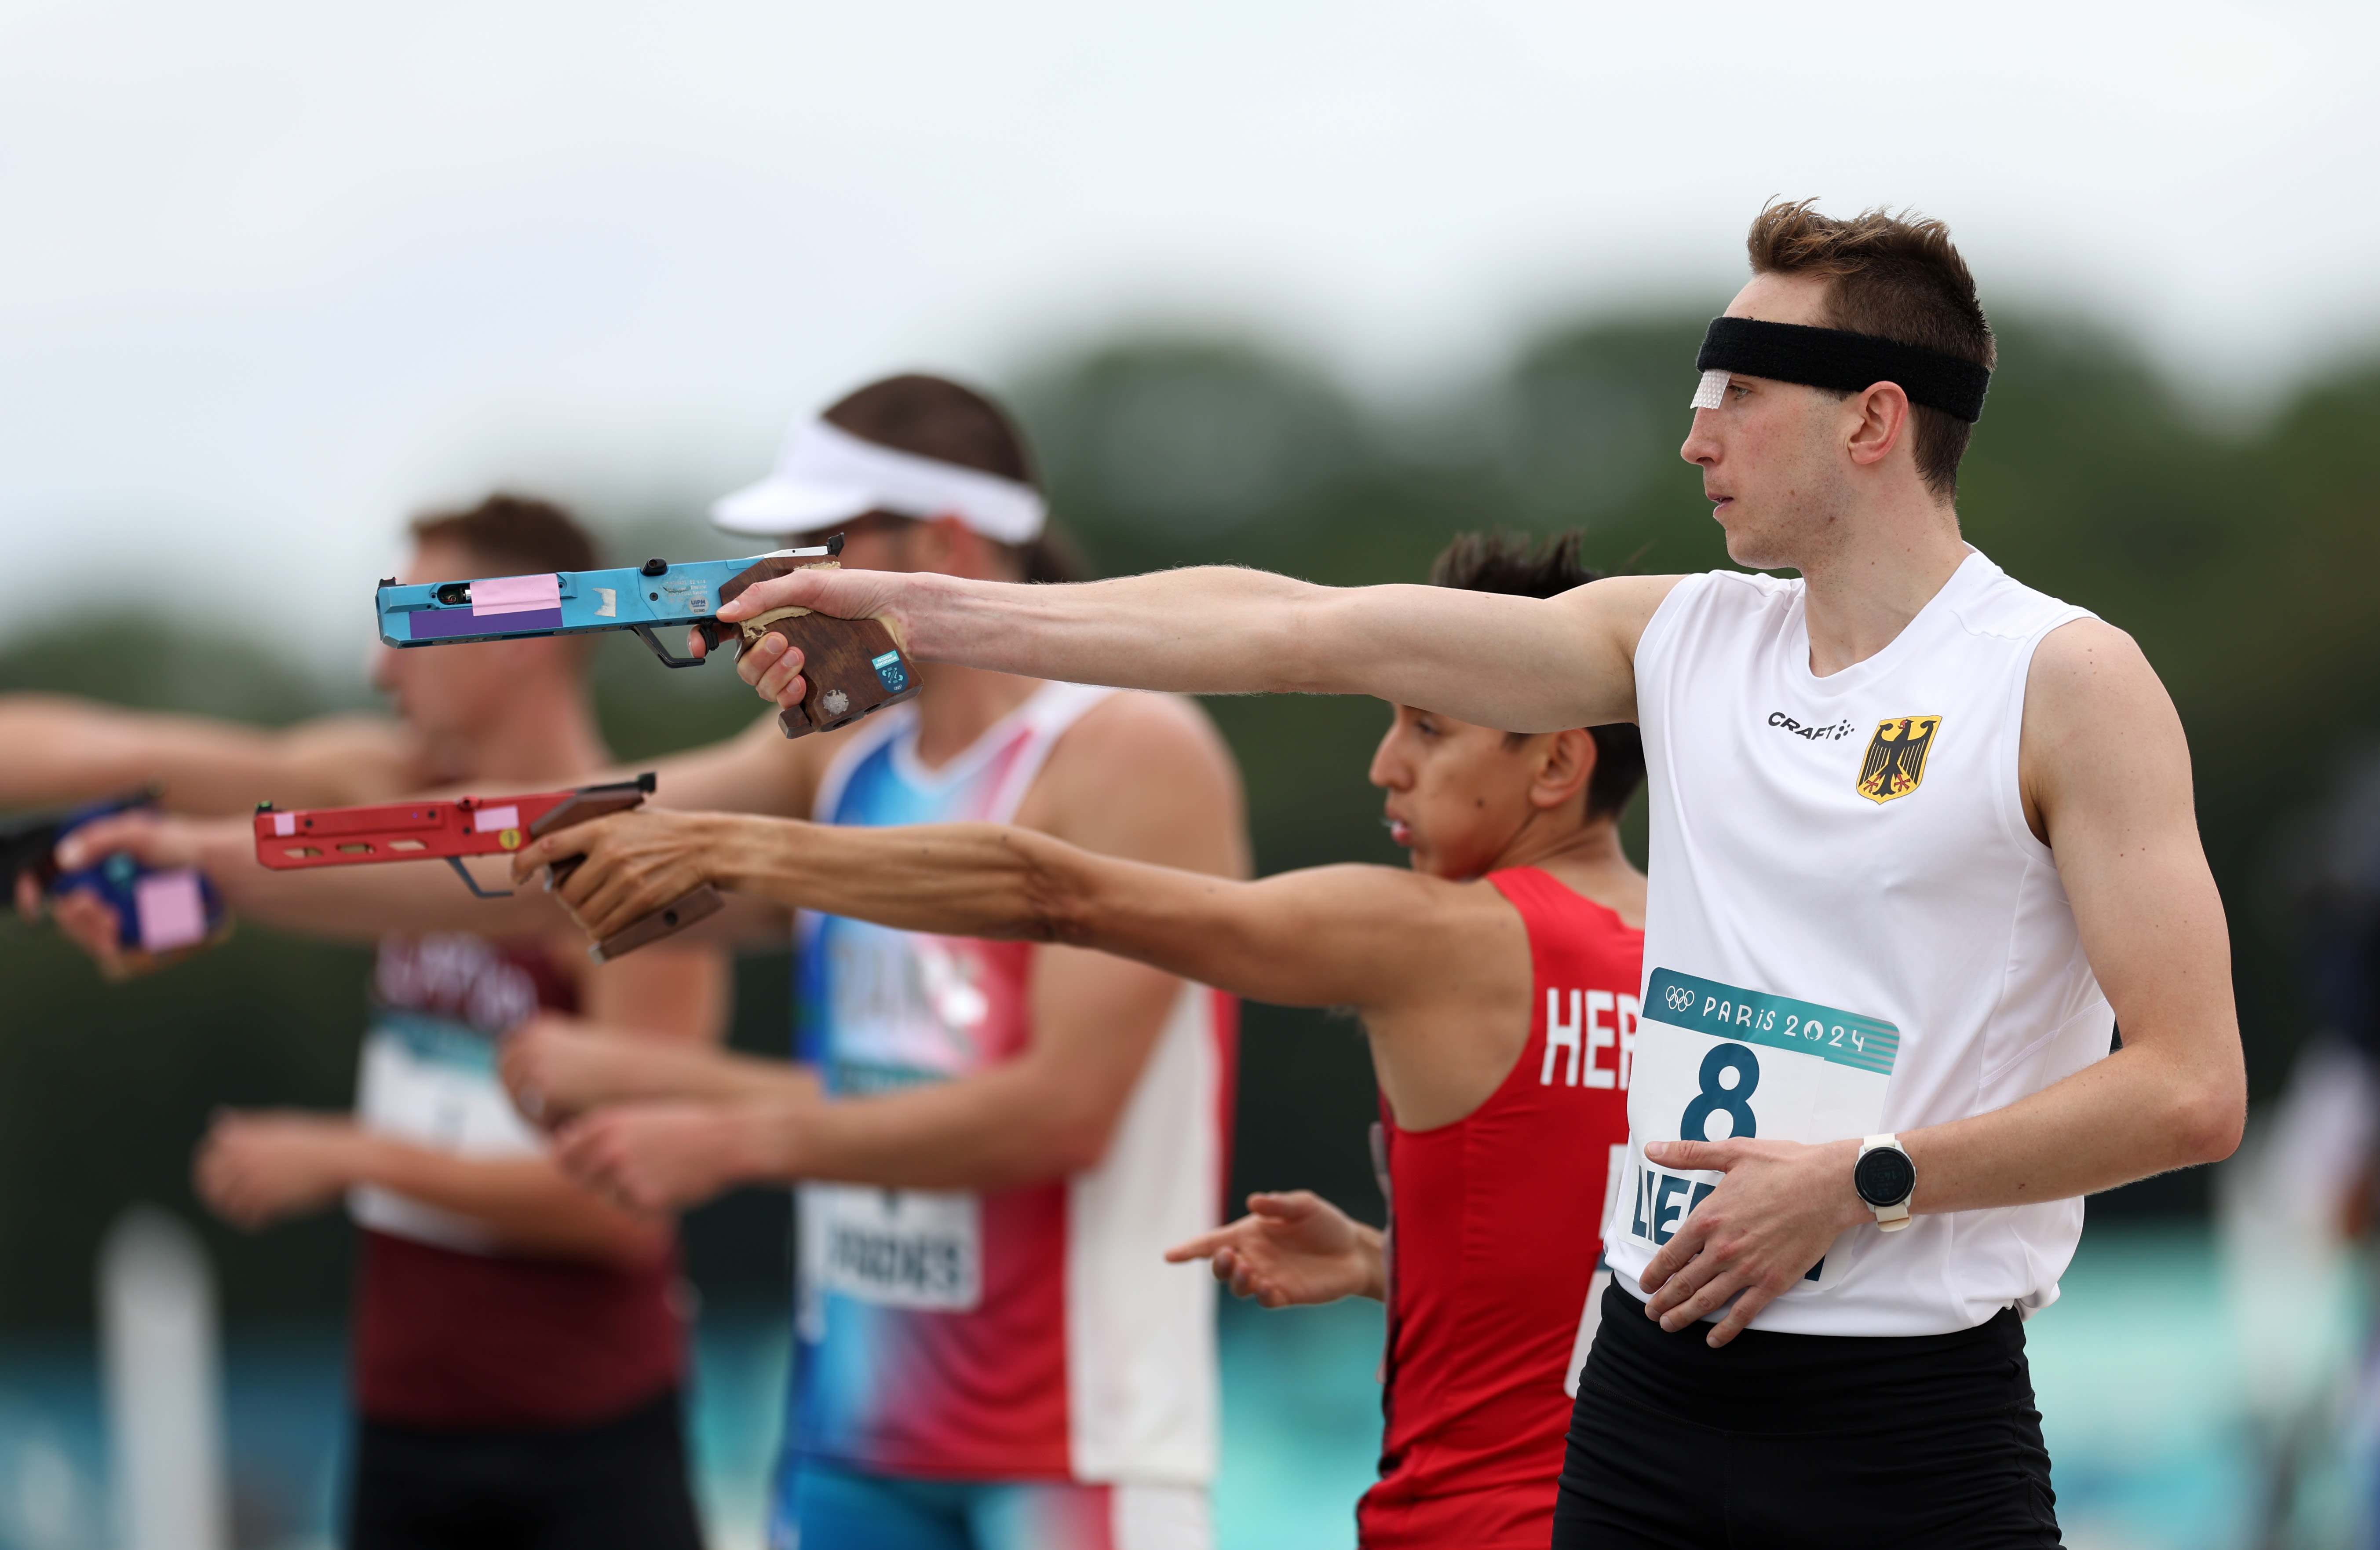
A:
x: 850, y: 667
x: 668, y: 921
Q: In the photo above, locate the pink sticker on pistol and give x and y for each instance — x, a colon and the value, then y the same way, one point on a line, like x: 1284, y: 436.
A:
x: 285, y: 824
x: 490, y: 820
x: 515, y: 594
x: 172, y: 912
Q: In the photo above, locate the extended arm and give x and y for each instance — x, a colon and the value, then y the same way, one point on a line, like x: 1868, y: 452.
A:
x: 2106, y: 777
x: 1523, y: 664
x: 357, y: 903
x: 63, y: 750
x: 1339, y: 936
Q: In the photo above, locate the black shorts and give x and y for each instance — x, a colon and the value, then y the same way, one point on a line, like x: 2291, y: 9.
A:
x: 1777, y: 1441
x: 617, y: 1483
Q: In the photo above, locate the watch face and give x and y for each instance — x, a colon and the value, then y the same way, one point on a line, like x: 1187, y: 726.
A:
x: 1884, y: 1176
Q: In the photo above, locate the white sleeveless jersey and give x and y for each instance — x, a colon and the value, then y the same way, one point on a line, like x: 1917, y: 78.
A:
x: 1850, y: 929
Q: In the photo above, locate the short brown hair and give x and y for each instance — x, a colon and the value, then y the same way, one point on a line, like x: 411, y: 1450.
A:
x: 1509, y: 562
x: 934, y: 417
x: 1898, y: 278
x: 514, y: 534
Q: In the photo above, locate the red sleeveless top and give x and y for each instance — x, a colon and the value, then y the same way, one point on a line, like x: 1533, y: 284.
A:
x: 1496, y: 1232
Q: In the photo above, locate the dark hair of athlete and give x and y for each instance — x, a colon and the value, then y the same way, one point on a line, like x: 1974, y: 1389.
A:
x: 517, y: 533
x: 1898, y: 279
x: 1510, y: 562
x: 934, y: 417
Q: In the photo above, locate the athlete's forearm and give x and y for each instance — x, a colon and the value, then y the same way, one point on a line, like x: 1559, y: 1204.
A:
x: 63, y: 750
x: 631, y: 1069
x: 1222, y: 630
x: 525, y: 1201
x: 1526, y: 664
x: 985, y: 880
x: 2143, y: 1110
x: 1323, y: 936
x: 1007, y: 1127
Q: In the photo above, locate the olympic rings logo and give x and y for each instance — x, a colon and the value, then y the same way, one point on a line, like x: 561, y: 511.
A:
x: 1680, y: 998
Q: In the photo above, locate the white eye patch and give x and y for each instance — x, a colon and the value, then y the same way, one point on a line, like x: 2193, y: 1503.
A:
x: 1711, y: 392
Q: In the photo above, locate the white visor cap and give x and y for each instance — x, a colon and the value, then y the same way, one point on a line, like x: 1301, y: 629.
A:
x: 827, y: 475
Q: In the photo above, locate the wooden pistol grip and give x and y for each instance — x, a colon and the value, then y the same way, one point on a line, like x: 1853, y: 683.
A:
x: 850, y: 667
x: 697, y: 904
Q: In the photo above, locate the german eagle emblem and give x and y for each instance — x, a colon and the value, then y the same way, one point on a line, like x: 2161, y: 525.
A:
x: 1896, y: 756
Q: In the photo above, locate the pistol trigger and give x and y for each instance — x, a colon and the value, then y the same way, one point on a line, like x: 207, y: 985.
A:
x: 645, y: 633
x: 473, y: 884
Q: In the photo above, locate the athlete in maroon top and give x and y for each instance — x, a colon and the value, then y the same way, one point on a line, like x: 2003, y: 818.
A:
x: 516, y: 1347
x: 1518, y: 888
x: 1494, y: 1244
x: 450, y: 1332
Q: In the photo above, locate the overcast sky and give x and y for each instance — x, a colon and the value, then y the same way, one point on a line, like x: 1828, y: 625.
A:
x: 273, y: 274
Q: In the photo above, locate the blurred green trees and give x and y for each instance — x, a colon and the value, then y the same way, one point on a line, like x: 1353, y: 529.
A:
x: 2236, y: 550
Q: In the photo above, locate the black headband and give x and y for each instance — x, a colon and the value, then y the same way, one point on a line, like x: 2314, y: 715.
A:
x: 1844, y: 362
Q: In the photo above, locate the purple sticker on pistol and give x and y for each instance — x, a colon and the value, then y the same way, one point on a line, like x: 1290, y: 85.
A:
x: 513, y: 604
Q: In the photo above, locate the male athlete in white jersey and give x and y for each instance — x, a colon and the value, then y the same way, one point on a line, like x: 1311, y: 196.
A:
x: 1920, y: 837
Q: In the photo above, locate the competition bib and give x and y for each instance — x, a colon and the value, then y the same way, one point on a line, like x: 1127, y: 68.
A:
x: 432, y: 1081
x: 1716, y: 1061
x: 917, y: 1249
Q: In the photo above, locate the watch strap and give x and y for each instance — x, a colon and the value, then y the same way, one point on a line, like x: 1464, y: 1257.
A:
x: 1888, y: 1218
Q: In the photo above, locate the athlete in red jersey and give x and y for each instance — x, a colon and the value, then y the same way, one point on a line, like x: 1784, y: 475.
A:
x: 1491, y: 1290
x: 1496, y: 980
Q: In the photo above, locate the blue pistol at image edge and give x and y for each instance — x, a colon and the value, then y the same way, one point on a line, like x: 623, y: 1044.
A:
x: 850, y: 667
x: 157, y: 912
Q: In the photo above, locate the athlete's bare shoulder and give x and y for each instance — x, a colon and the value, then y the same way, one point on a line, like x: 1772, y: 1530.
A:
x: 1612, y: 615
x: 1620, y: 607
x: 1146, y: 776
x: 2097, y: 719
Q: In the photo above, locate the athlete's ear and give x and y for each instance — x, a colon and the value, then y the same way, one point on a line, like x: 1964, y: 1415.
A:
x: 1879, y: 422
x: 1565, y: 763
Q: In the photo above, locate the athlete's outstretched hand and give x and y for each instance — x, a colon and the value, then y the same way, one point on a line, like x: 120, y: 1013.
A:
x: 154, y: 840
x: 254, y: 1169
x: 631, y: 864
x: 658, y: 1157
x: 1770, y: 1219
x: 1291, y: 1247
x: 773, y: 667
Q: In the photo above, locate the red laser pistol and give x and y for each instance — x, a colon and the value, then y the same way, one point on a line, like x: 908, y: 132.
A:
x: 448, y: 831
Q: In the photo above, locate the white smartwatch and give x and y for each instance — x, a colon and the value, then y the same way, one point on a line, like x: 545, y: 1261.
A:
x: 1885, y: 1178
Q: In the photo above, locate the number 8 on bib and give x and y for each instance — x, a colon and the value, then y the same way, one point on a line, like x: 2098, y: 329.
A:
x: 1717, y: 1062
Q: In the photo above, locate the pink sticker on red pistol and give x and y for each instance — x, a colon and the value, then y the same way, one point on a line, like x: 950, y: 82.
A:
x: 285, y: 823
x: 515, y: 594
x: 172, y: 912
x: 493, y: 820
